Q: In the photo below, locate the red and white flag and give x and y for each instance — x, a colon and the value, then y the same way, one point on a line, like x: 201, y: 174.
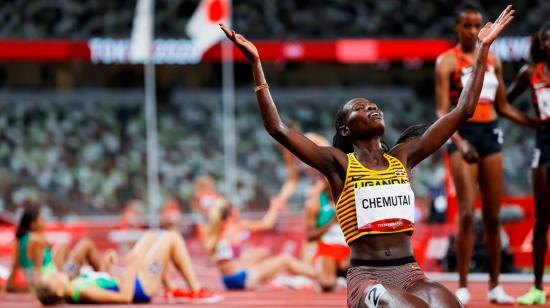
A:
x: 203, y: 27
x: 141, y: 43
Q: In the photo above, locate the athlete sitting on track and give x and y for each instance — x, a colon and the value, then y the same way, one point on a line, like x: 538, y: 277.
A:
x: 246, y: 270
x: 144, y: 271
x: 33, y: 254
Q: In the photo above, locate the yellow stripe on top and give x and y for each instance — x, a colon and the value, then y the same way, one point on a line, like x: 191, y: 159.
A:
x: 358, y: 175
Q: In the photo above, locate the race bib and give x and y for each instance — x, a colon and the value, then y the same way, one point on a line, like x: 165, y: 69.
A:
x: 490, y: 83
x: 384, y: 207
x: 543, y: 99
x: 373, y: 295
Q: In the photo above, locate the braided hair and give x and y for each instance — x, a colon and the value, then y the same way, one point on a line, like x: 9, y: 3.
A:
x: 412, y: 132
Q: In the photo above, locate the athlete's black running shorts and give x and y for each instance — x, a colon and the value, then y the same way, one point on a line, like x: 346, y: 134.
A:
x: 486, y: 138
x: 541, y: 155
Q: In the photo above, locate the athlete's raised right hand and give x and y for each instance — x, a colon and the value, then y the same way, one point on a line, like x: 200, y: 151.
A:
x: 246, y: 47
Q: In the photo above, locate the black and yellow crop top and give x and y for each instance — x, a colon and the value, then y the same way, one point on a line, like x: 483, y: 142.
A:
x: 375, y: 201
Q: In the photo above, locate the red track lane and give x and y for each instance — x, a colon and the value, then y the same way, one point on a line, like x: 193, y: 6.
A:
x: 267, y: 298
x: 264, y: 297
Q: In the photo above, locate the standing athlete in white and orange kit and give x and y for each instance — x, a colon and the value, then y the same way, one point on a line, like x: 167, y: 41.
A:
x: 475, y: 150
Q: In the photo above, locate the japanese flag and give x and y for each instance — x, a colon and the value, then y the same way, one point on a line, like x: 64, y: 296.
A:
x: 203, y: 27
x: 142, y: 32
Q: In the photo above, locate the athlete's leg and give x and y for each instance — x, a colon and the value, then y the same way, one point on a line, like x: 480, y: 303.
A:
x: 253, y: 256
x: 491, y: 188
x: 343, y: 265
x: 270, y: 267
x: 144, y: 244
x: 107, y: 260
x: 541, y: 191
x: 434, y: 293
x: 377, y: 287
x: 60, y: 253
x: 465, y: 180
x: 141, y: 247
x: 85, y: 251
x: 374, y: 294
x: 168, y: 247
x: 326, y: 268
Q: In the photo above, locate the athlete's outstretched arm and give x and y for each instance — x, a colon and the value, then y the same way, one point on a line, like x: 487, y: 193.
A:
x: 521, y: 83
x: 503, y: 105
x: 324, y: 159
x: 446, y: 126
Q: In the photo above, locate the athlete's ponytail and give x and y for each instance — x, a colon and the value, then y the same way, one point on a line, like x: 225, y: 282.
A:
x: 30, y: 214
x: 217, y: 214
x: 339, y: 141
x: 412, y: 132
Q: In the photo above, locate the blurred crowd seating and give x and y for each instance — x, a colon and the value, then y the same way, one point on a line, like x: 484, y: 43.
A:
x: 89, y: 155
x: 282, y: 19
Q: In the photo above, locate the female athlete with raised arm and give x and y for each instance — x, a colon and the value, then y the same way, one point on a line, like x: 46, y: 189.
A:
x: 375, y: 207
x: 475, y: 151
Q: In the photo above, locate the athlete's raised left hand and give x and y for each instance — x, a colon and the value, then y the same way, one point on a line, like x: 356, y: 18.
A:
x: 492, y: 30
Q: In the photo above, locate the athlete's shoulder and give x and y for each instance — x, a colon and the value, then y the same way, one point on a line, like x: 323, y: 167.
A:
x: 446, y: 60
x: 527, y: 71
x: 447, y: 55
x: 401, y: 150
x: 37, y: 238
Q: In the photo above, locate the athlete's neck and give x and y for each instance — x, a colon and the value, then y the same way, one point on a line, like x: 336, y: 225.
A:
x: 465, y: 48
x: 369, y: 151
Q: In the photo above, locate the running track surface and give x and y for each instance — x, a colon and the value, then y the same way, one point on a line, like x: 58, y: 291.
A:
x: 266, y: 298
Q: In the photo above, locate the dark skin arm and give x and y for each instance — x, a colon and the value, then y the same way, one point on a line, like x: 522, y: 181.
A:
x: 445, y: 65
x: 503, y: 105
x: 438, y: 133
x: 330, y: 161
x: 521, y: 83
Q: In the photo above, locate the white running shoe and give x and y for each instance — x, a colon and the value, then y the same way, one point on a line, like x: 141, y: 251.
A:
x: 498, y: 296
x: 463, y: 295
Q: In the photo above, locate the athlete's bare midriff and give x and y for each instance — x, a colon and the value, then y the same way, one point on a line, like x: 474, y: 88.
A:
x: 382, y: 246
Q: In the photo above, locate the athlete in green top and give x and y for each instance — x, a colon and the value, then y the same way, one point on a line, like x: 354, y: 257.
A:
x: 145, y: 269
x: 33, y: 254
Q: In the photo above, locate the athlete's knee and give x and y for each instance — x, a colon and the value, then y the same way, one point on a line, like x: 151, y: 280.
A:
x: 86, y: 242
x: 541, y: 225
x: 327, y: 283
x: 286, y: 256
x: 171, y: 235
x: 491, y: 224
x: 466, y: 218
x: 375, y: 295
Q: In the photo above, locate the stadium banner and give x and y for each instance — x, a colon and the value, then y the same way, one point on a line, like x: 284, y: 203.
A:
x: 185, y: 51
